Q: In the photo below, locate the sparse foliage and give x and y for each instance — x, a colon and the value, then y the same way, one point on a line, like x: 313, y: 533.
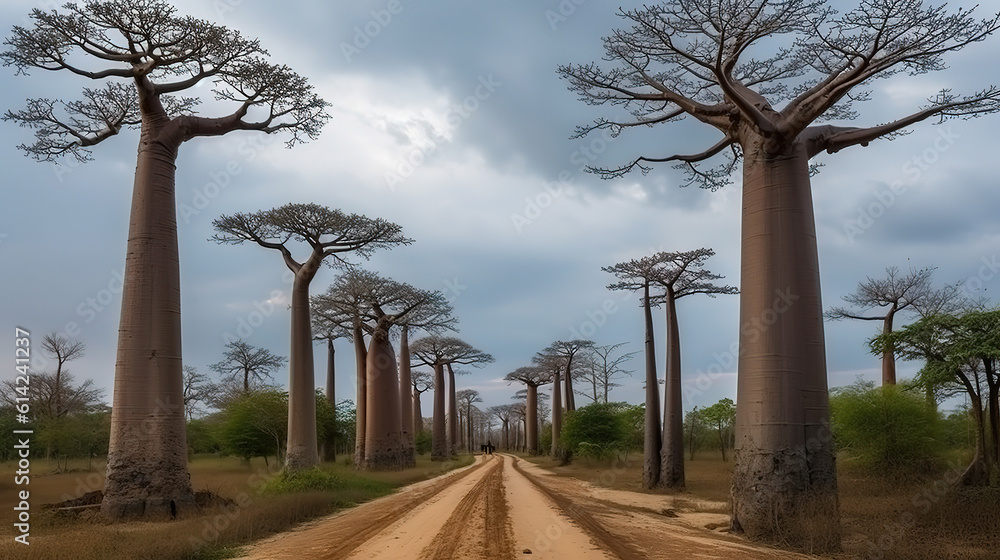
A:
x: 247, y: 364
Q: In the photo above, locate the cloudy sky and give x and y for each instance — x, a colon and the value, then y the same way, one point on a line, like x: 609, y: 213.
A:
x: 449, y: 119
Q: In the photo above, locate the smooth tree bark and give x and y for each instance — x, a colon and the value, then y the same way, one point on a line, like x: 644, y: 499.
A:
x: 452, y: 412
x: 638, y: 274
x: 389, y: 445
x: 378, y: 304
x: 328, y: 331
x: 248, y: 365
x: 144, y: 56
x: 343, y: 306
x: 327, y: 233
x: 405, y: 400
x: 466, y: 400
x: 895, y: 293
x: 439, y: 352
x: 567, y: 350
x: 687, y: 58
x: 533, y: 377
x: 679, y: 274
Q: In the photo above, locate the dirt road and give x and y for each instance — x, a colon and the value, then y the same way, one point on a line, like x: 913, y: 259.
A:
x: 504, y: 508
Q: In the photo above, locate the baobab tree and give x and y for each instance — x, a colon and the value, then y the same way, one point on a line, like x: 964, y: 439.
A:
x: 328, y: 233
x: 343, y: 304
x: 144, y: 56
x: 896, y: 293
x: 639, y: 274
x: 327, y: 331
x: 245, y: 362
x: 533, y: 377
x: 467, y: 399
x: 391, y: 303
x: 62, y: 350
x: 567, y: 350
x: 553, y: 365
x: 679, y: 274
x: 437, y: 352
x: 432, y: 315
x: 197, y: 389
x: 697, y: 58
x: 504, y: 413
x: 603, y: 369
x: 421, y: 382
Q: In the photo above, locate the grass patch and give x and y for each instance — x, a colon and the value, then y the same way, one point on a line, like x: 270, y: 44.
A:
x: 346, y: 488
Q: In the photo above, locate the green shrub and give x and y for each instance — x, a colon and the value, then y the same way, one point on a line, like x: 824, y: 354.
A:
x: 423, y: 442
x: 323, y: 480
x: 598, y: 430
x: 886, y: 430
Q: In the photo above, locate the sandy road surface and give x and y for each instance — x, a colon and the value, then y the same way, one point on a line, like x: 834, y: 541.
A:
x: 504, y: 508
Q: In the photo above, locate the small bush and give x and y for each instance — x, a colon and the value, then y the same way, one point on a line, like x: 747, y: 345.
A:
x: 886, y: 430
x: 423, y: 442
x: 321, y: 480
x: 598, y: 431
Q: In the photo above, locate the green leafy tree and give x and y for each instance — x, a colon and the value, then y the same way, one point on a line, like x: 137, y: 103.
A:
x: 721, y: 418
x: 203, y: 435
x: 256, y: 425
x: 598, y: 430
x: 886, y: 430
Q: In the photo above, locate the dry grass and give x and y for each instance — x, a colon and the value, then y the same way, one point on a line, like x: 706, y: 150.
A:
x: 883, y: 518
x: 209, y: 535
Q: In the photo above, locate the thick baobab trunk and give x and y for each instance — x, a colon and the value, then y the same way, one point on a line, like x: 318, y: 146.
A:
x: 439, y: 434
x: 651, y: 427
x: 785, y: 482
x: 556, y: 416
x: 889, y: 354
x: 405, y: 403
x: 531, y: 420
x: 330, y: 447
x: 418, y: 415
x: 302, y: 452
x: 385, y: 448
x: 672, y: 452
x: 452, y: 414
x: 570, y: 398
x: 147, y: 459
x: 361, y: 406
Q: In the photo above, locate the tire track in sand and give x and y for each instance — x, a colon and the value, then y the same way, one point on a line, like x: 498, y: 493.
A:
x: 337, y: 537
x: 479, y: 526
